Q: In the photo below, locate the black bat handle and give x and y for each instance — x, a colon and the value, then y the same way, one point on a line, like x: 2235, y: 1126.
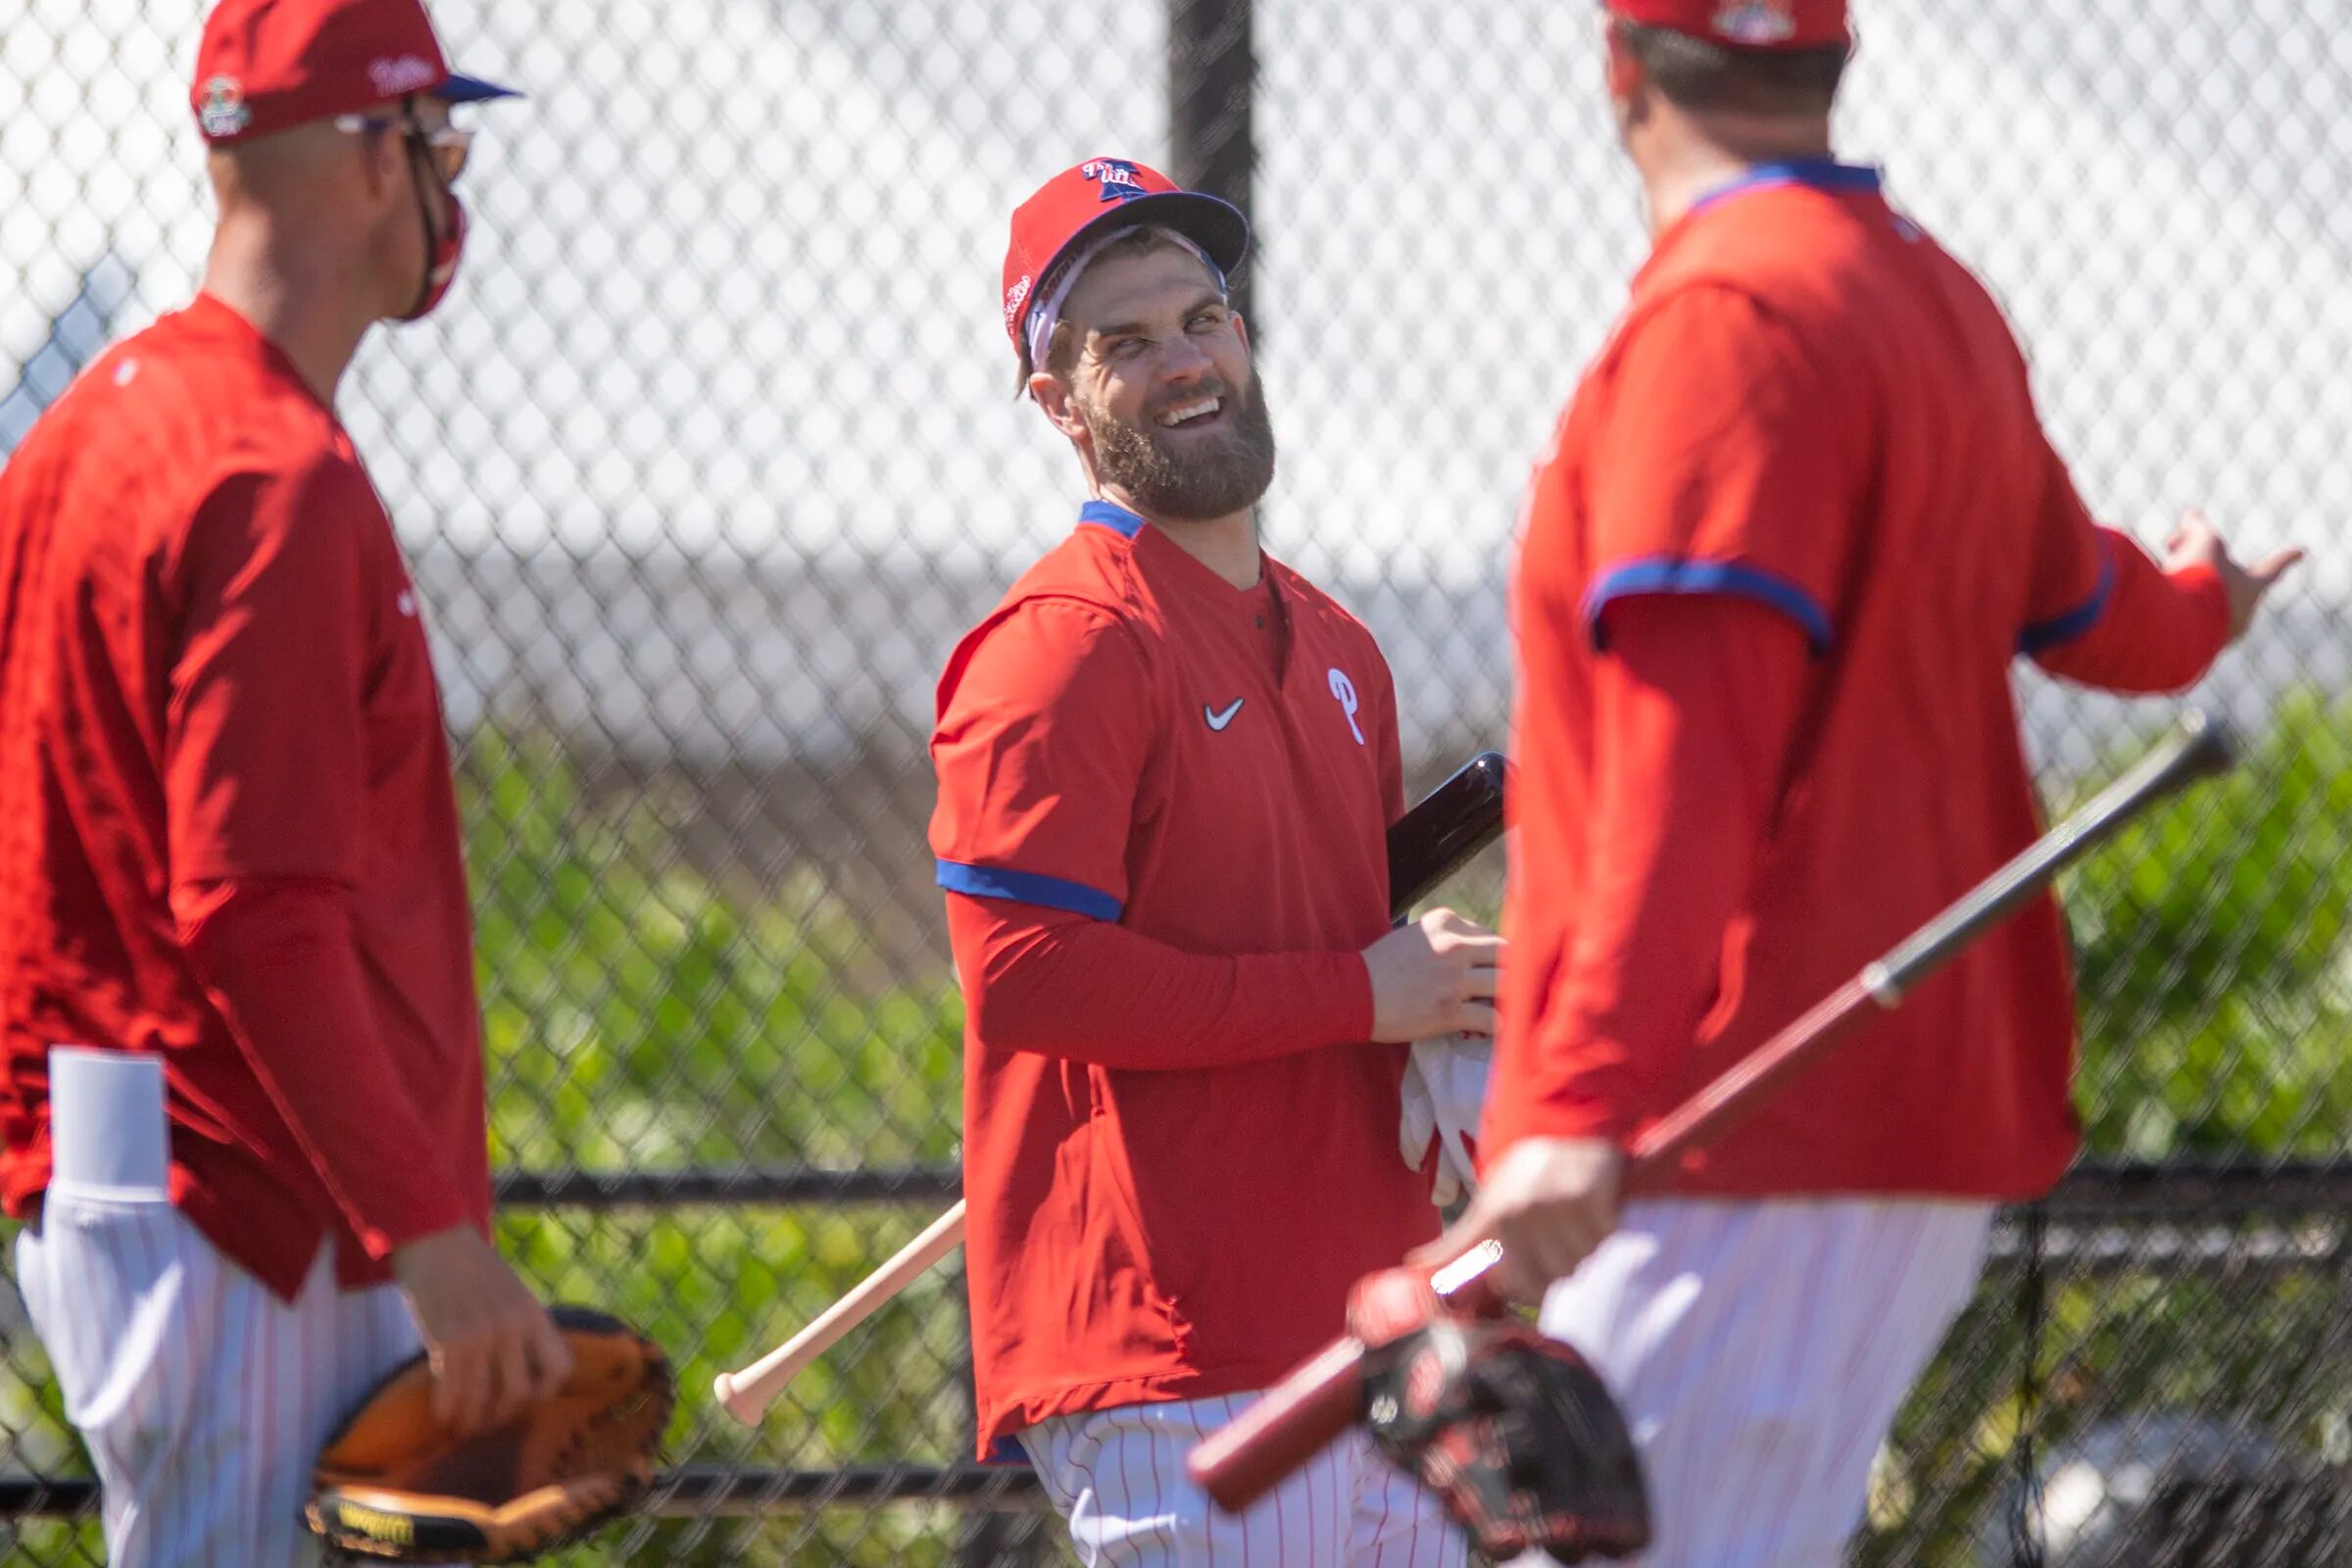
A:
x: 1438, y: 836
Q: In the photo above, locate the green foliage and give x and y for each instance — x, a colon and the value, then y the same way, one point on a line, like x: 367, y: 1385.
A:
x: 2214, y: 942
x: 640, y: 1014
x: 638, y: 1018
x: 2211, y: 943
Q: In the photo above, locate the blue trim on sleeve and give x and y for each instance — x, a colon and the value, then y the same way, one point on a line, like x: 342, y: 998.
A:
x: 1677, y: 574
x: 2075, y: 622
x: 1110, y: 515
x: 1028, y: 887
x: 1817, y: 173
x: 1008, y: 1451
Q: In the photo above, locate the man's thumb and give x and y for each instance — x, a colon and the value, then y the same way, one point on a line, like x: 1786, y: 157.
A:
x: 2277, y: 565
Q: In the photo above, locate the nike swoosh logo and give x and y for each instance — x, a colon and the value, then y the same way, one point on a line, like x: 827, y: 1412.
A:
x: 1218, y: 722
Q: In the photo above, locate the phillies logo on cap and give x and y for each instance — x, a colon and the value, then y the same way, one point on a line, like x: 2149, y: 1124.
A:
x: 1120, y: 181
x: 220, y: 106
x: 402, y: 76
x: 1758, y: 23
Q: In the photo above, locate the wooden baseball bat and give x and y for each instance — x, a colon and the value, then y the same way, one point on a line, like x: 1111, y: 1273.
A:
x: 1319, y: 1399
x: 746, y: 1395
x: 1427, y: 844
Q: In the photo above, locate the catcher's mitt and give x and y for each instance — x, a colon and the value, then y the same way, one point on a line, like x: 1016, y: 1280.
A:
x: 1515, y: 1435
x: 394, y: 1484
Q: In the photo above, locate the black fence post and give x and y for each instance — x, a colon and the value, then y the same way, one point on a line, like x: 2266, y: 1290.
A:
x: 1212, y: 88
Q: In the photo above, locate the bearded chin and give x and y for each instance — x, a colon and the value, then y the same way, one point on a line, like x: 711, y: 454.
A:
x: 1213, y: 479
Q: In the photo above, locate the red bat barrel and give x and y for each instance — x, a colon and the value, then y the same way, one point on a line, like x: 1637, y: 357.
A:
x: 1307, y: 1411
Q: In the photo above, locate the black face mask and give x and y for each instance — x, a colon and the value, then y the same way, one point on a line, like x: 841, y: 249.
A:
x: 443, y: 251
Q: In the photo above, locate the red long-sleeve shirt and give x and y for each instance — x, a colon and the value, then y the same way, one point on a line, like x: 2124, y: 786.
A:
x: 1163, y: 838
x: 1798, y: 521
x: 226, y: 827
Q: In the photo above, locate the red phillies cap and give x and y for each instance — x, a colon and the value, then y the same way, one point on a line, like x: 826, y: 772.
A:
x: 1094, y: 200
x: 268, y: 65
x: 1746, y: 24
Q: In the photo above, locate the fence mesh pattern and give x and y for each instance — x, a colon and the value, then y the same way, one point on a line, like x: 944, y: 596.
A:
x: 712, y: 456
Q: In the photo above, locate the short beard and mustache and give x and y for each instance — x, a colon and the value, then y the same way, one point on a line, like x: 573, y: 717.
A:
x: 1215, y: 480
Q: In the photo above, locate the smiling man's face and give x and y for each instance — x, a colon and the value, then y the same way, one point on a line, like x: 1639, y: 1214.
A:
x: 1162, y: 378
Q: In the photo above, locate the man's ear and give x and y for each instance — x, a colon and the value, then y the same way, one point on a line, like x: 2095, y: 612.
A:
x: 1241, y: 328
x: 1051, y: 394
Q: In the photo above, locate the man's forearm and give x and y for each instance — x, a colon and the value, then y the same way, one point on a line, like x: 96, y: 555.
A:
x: 1061, y: 985
x: 2148, y: 631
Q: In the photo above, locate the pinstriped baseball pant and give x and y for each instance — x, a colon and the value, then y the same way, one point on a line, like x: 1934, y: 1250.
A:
x: 1760, y: 1351
x: 204, y: 1400
x: 1118, y: 1478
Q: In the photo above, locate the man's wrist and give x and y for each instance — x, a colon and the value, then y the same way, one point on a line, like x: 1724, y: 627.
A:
x: 2205, y: 586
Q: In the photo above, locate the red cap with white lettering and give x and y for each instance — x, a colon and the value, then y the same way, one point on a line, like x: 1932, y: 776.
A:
x: 1096, y: 198
x: 266, y: 66
x: 1746, y: 24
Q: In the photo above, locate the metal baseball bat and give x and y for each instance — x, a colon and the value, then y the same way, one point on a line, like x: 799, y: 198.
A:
x: 1427, y: 844
x: 1322, y: 1396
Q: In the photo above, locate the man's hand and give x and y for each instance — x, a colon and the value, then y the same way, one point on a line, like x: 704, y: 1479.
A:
x: 1436, y: 976
x: 2196, y: 544
x: 494, y: 1350
x: 1549, y: 1202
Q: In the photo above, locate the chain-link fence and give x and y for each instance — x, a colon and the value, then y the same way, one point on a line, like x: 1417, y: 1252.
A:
x: 712, y: 456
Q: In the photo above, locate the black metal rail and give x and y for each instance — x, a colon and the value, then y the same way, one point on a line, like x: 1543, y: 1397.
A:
x: 777, y: 1186
x: 692, y: 1492
x: 2104, y: 1219
x: 2111, y: 1192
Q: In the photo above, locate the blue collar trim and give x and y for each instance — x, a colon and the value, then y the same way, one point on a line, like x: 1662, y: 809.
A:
x: 1110, y: 515
x: 1818, y: 174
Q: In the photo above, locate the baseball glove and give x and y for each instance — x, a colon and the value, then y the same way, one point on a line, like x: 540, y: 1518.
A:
x: 1515, y: 1435
x: 394, y: 1484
